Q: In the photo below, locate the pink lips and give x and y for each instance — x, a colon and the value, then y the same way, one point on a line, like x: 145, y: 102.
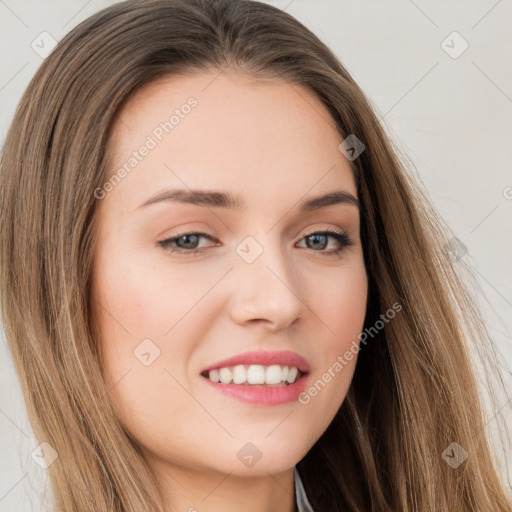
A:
x: 267, y: 358
x: 262, y: 394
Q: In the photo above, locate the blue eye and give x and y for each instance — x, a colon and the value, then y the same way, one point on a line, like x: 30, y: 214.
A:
x: 188, y: 240
x: 318, y: 237
x: 187, y: 243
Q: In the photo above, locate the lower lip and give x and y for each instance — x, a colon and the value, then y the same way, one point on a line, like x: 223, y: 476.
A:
x: 261, y: 394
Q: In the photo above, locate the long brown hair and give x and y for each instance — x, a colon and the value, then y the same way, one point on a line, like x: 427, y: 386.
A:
x: 414, y: 391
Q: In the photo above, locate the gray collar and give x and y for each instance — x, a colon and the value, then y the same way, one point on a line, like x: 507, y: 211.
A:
x: 301, y: 499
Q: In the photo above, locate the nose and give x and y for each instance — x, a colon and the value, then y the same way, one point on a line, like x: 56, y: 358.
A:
x: 267, y: 291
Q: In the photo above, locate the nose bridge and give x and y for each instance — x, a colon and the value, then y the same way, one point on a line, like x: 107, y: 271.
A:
x: 267, y: 286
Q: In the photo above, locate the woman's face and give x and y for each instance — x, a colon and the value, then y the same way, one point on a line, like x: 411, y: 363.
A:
x: 266, y: 278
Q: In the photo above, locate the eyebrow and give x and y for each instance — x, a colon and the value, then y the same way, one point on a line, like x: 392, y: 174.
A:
x: 216, y: 199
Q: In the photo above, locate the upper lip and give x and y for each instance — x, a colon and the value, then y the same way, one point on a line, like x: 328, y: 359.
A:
x: 284, y: 357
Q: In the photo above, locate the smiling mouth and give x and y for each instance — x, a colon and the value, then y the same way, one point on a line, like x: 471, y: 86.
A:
x: 275, y: 375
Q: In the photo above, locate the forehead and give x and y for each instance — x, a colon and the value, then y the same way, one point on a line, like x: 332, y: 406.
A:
x: 227, y: 129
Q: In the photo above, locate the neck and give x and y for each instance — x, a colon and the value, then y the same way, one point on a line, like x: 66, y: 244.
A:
x: 203, y: 490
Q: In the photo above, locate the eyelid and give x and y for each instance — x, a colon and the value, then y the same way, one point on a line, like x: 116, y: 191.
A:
x: 309, y: 232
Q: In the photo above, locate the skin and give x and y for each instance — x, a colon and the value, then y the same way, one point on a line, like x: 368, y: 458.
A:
x: 274, y: 145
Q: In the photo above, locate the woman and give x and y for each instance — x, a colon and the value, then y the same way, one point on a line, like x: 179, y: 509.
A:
x: 221, y: 289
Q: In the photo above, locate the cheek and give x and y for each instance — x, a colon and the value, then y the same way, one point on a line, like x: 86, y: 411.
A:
x: 139, y: 301
x: 341, y: 310
x: 134, y: 310
x: 341, y: 306
x: 151, y: 322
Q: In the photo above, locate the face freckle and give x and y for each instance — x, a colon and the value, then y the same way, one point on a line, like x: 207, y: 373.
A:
x: 261, y: 285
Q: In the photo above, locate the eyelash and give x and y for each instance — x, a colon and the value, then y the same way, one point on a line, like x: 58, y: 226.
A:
x: 341, y: 237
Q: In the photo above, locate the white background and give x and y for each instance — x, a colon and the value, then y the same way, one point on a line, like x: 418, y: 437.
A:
x: 451, y: 116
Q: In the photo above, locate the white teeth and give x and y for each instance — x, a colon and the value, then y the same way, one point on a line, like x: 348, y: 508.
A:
x: 225, y: 375
x: 273, y: 375
x: 292, y: 374
x: 256, y: 374
x: 214, y: 375
x: 239, y: 375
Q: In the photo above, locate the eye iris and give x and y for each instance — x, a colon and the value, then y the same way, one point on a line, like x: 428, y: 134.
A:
x: 315, y: 237
x: 187, y: 237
